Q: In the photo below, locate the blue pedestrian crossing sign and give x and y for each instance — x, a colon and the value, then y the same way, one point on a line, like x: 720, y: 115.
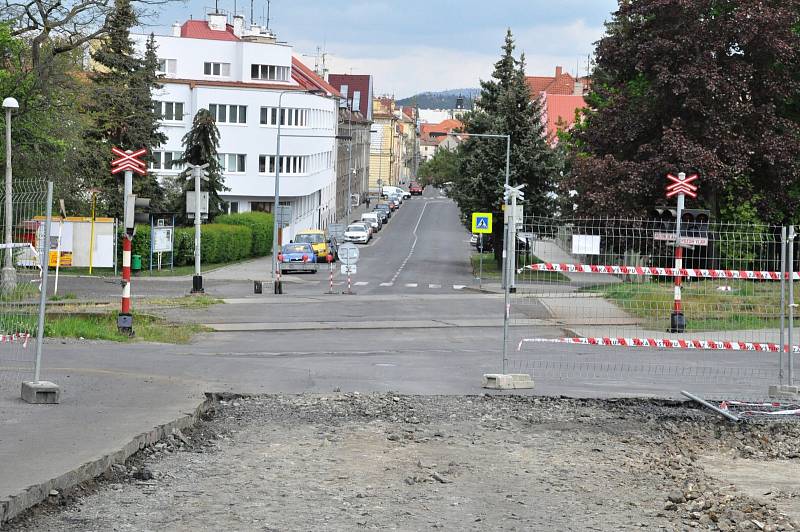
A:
x: 481, y: 222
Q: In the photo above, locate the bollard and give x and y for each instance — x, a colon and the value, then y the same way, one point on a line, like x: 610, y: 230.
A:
x: 329, y: 258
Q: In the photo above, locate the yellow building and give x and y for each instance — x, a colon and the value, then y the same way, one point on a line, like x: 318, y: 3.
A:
x: 384, y: 145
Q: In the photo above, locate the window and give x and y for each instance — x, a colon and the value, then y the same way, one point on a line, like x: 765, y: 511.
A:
x: 356, y: 101
x: 290, y: 164
x: 233, y: 207
x: 269, y: 72
x: 165, y: 160
x: 168, y: 111
x: 289, y: 117
x: 344, y: 90
x: 217, y: 69
x: 167, y: 66
x: 233, y: 162
x: 228, y: 114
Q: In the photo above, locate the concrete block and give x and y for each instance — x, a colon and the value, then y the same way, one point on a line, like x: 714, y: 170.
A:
x: 497, y: 381
x: 521, y: 381
x: 784, y: 391
x: 513, y: 381
x: 41, y: 393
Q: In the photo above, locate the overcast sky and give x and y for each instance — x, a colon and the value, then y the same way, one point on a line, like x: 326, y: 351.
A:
x: 411, y: 46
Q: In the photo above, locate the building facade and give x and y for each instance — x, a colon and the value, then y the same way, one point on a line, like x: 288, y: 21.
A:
x: 352, y: 169
x: 250, y: 83
x: 384, y: 154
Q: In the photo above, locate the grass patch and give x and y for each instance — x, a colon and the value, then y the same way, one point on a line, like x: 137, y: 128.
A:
x: 189, y: 302
x: 748, y: 305
x: 491, y: 270
x: 22, y: 291
x: 66, y: 297
x: 103, y: 327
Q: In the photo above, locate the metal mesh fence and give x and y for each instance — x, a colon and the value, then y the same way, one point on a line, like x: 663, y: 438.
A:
x: 20, y: 252
x: 612, y: 287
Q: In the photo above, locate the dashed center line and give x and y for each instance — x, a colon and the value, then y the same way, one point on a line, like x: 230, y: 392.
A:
x: 413, y: 245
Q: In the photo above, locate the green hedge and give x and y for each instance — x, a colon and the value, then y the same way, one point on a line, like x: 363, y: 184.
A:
x: 260, y: 223
x: 220, y: 243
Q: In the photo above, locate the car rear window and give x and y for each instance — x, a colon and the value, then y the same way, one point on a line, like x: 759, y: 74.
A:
x: 311, y: 238
x: 295, y: 248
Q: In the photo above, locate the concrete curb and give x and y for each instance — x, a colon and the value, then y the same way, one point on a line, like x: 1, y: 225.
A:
x: 14, y: 505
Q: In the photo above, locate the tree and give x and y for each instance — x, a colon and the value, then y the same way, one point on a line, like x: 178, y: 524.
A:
x: 707, y: 86
x: 122, y: 108
x: 505, y: 108
x: 439, y: 169
x: 200, y: 147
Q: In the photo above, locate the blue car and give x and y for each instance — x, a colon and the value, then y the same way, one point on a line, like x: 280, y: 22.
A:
x: 298, y: 256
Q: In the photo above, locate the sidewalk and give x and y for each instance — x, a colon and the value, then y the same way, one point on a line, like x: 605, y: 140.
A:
x: 549, y: 251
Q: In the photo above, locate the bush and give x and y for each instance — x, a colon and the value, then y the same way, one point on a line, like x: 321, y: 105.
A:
x: 260, y: 223
x: 220, y: 243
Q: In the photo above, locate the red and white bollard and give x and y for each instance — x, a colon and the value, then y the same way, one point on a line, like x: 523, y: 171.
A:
x: 278, y: 284
x: 329, y: 258
x: 349, y: 289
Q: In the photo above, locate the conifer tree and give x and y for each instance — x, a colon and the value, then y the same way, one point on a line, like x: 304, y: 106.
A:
x: 200, y: 147
x: 505, y: 107
x: 123, y: 110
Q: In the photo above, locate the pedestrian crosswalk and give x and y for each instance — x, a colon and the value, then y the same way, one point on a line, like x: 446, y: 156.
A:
x: 429, y: 286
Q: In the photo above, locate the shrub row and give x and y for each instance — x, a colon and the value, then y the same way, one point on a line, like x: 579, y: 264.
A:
x: 232, y: 237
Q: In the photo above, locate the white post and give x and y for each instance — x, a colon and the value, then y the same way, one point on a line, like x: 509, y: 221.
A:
x: 197, y: 280
x: 9, y: 280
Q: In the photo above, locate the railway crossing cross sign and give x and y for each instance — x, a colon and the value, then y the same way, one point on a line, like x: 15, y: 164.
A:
x: 128, y: 161
x: 482, y: 222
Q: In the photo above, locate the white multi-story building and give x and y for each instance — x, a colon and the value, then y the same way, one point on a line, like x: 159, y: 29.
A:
x: 242, y: 75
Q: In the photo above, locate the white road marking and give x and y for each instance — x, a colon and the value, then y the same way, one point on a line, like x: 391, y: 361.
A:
x: 413, y: 245
x: 387, y: 284
x: 458, y: 286
x: 429, y: 286
x: 408, y: 285
x: 357, y: 283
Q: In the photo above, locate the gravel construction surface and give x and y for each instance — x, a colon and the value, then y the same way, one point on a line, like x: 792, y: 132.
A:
x: 352, y: 462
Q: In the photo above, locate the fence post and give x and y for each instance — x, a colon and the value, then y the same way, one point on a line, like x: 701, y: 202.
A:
x: 790, y: 354
x: 43, y: 292
x: 783, y: 306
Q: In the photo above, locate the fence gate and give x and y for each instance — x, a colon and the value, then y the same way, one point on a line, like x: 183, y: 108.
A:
x: 21, y: 249
x: 605, y: 299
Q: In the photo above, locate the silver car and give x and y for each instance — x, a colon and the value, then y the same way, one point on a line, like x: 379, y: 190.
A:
x: 358, y: 233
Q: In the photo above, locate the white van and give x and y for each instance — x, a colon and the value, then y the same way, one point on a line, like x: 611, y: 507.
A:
x: 388, y: 190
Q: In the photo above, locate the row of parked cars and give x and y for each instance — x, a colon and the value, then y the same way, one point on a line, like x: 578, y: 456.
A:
x: 311, y: 247
x: 361, y: 231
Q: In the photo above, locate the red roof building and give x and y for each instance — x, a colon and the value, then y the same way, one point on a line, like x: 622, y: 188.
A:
x: 561, y: 96
x: 199, y: 29
x: 357, y: 89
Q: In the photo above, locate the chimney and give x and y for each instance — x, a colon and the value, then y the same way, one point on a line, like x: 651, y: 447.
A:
x: 558, y: 72
x: 217, y: 21
x: 176, y: 30
x: 238, y: 25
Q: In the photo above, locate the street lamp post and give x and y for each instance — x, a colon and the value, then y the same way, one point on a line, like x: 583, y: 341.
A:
x: 277, y: 209
x: 9, y: 274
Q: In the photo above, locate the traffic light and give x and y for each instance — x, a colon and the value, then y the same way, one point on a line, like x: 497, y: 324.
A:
x: 137, y: 210
x: 694, y: 223
x: 664, y: 219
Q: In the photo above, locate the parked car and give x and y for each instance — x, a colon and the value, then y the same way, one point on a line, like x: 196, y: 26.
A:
x: 318, y: 240
x: 372, y: 219
x: 397, y: 201
x: 384, y: 206
x: 388, y: 189
x: 298, y: 256
x: 357, y: 232
x: 382, y: 214
x: 415, y: 188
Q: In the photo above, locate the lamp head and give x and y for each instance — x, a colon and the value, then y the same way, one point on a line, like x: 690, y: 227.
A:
x: 10, y: 103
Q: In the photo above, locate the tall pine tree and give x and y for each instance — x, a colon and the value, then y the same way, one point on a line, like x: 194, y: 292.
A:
x: 122, y: 107
x: 505, y: 107
x: 200, y: 147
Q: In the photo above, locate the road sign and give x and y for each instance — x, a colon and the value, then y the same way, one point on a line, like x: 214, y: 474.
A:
x: 128, y: 160
x: 284, y: 216
x: 685, y: 240
x: 349, y: 269
x: 481, y: 222
x: 190, y: 203
x: 682, y: 185
x: 348, y: 253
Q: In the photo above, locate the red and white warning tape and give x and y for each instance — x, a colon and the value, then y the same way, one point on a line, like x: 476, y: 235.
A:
x: 716, y: 345
x: 756, y: 275
x: 15, y: 337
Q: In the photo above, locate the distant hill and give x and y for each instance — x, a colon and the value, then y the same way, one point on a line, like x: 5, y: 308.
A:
x: 441, y: 99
